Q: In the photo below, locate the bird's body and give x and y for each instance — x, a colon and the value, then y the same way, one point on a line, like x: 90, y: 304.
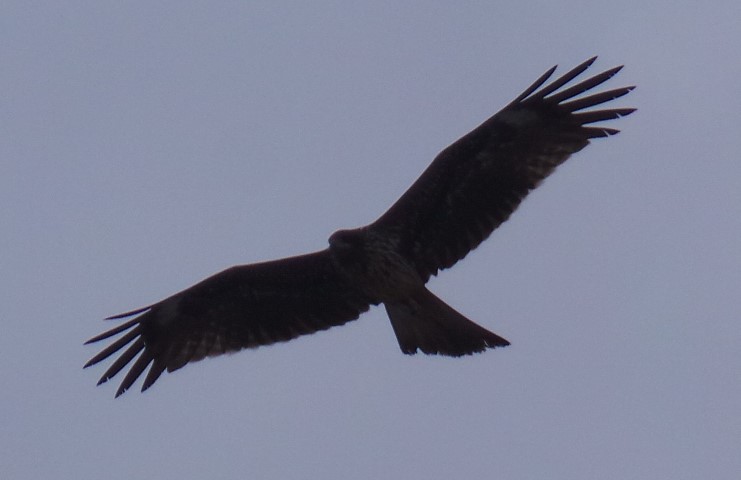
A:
x: 373, y: 263
x: 469, y: 189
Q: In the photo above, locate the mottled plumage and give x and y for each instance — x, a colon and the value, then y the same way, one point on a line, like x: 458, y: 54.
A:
x: 469, y: 190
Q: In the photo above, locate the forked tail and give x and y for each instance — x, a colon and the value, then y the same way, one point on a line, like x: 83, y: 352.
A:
x: 426, y: 323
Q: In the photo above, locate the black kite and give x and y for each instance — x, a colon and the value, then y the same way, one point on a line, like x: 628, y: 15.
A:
x: 469, y: 190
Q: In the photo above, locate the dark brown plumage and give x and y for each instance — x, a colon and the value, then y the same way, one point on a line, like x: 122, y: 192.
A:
x: 469, y: 190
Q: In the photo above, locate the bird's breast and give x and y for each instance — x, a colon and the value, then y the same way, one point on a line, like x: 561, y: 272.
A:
x: 377, y: 268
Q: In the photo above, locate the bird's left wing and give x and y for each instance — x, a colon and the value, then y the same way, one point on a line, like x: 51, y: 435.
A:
x: 241, y: 307
x: 477, y: 182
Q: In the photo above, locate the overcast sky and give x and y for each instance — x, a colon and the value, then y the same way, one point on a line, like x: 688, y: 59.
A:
x: 147, y: 145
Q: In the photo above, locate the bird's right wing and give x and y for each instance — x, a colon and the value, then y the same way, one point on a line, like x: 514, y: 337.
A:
x: 241, y: 307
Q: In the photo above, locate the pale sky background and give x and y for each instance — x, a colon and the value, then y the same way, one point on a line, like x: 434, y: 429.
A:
x: 147, y: 145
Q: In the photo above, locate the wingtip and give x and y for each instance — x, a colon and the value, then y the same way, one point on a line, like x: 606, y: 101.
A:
x: 611, y: 72
x: 129, y: 314
x: 586, y: 63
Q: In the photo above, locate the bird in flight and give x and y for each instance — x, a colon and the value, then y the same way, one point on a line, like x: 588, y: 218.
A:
x: 467, y: 191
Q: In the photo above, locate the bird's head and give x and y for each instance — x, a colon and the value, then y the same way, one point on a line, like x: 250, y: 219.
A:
x: 346, y: 240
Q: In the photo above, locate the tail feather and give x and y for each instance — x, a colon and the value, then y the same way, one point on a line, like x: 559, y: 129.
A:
x: 426, y: 323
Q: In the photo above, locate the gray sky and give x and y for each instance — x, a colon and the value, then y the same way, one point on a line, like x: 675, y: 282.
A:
x: 146, y: 146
